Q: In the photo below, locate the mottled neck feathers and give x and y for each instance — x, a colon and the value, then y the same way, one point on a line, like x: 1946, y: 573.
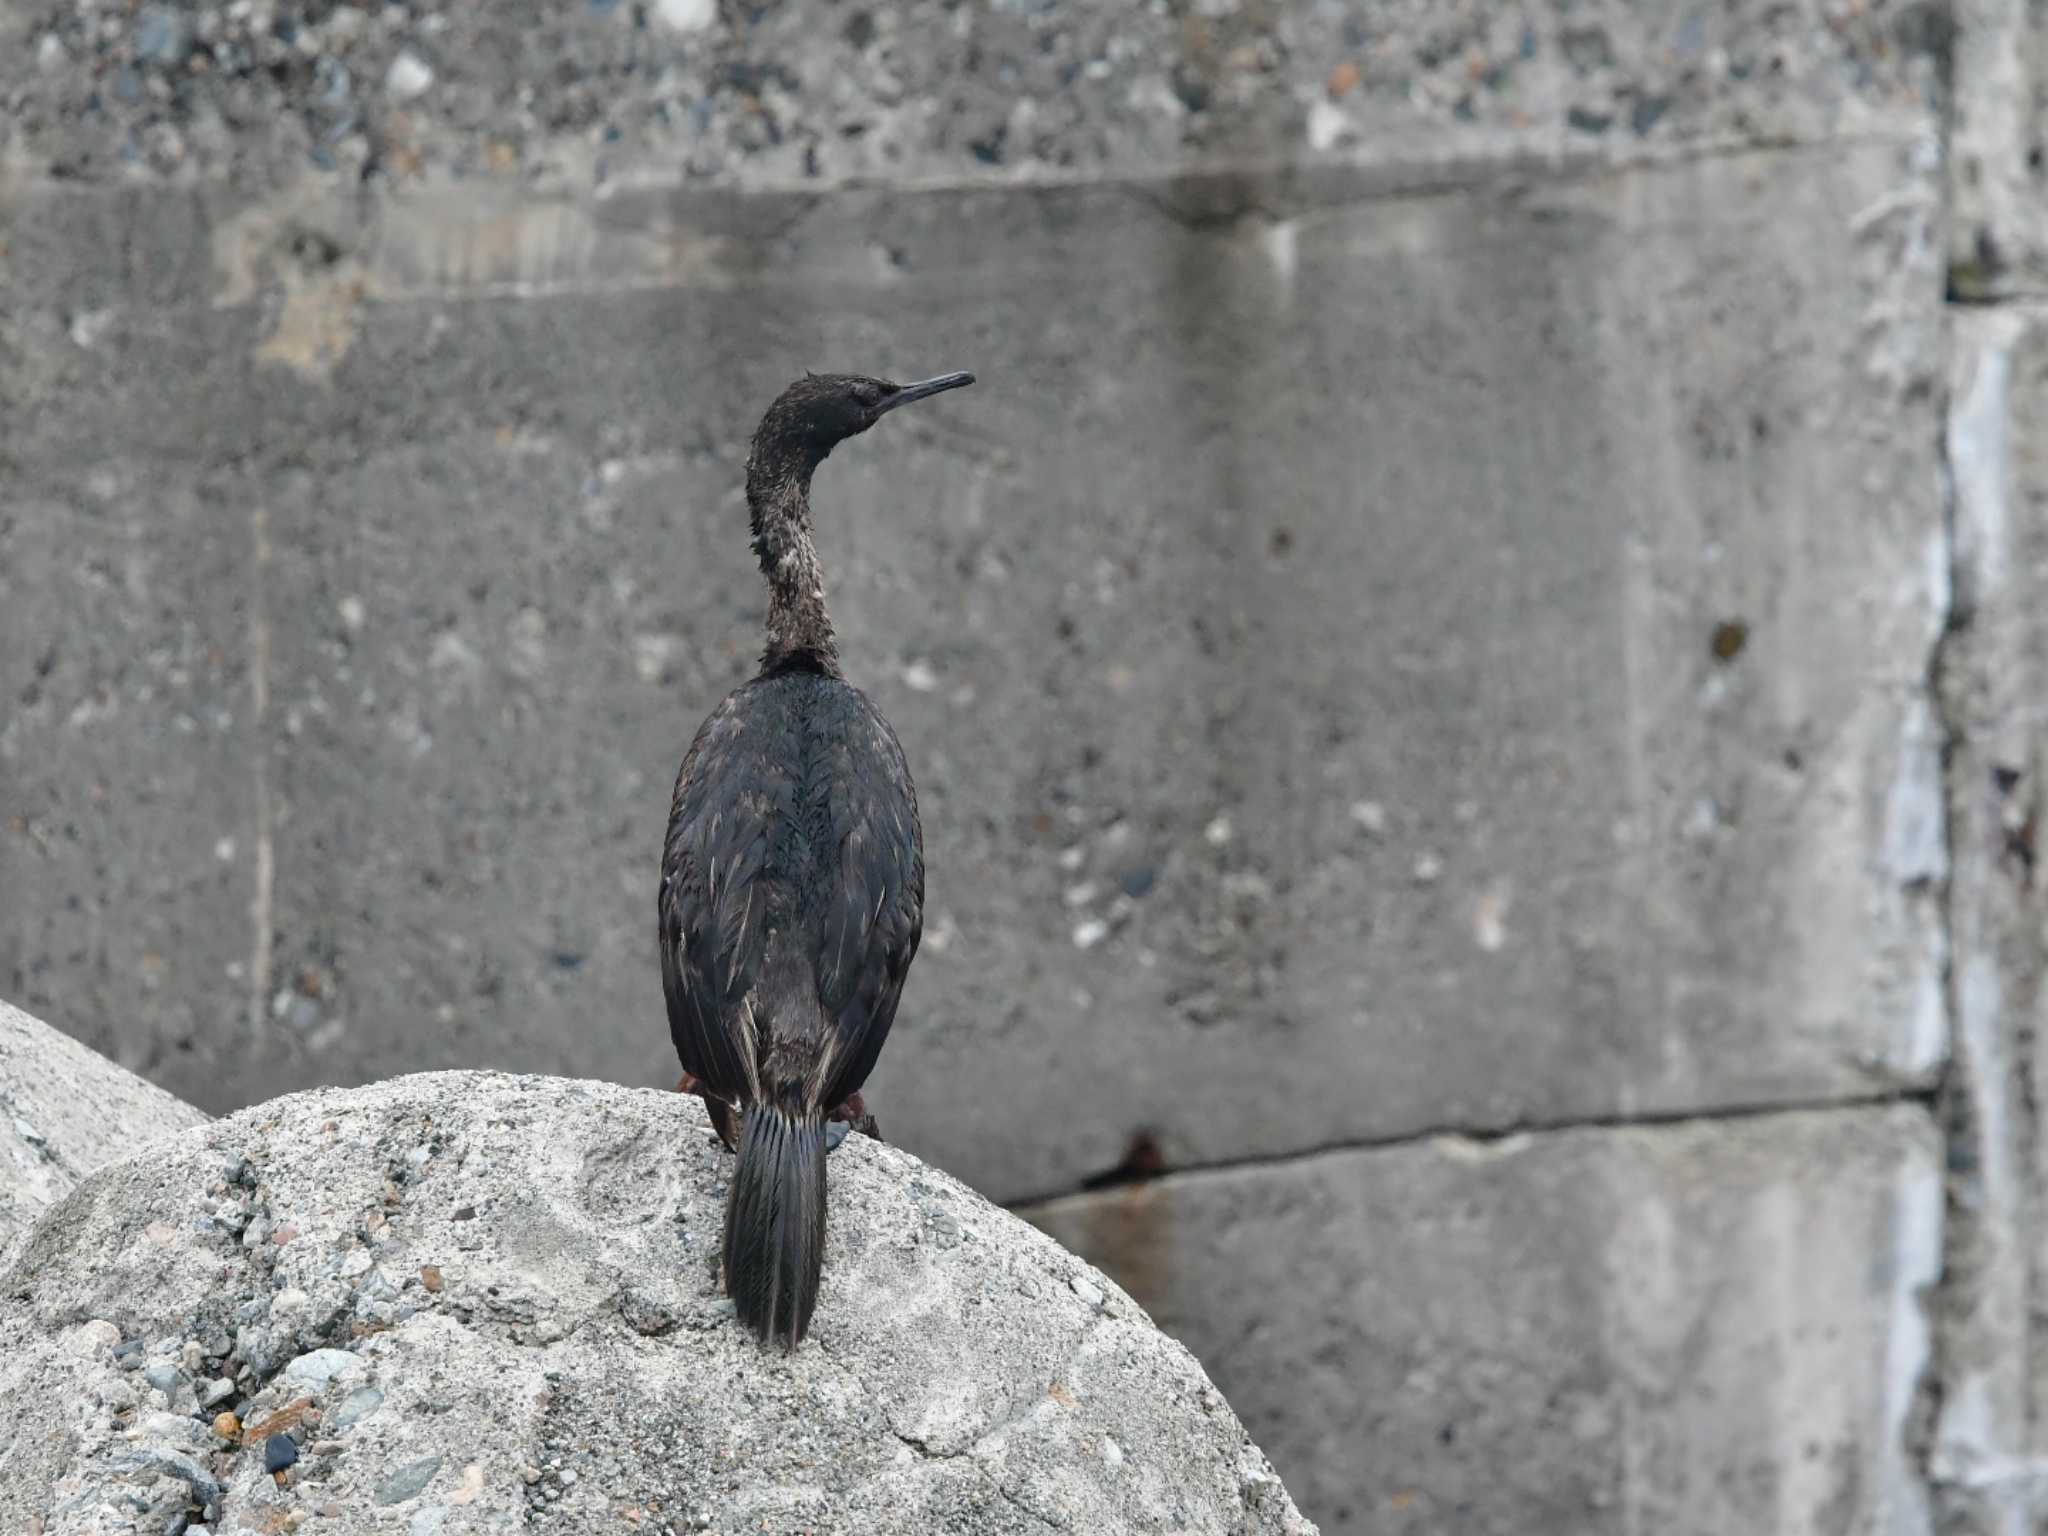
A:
x: 779, y: 506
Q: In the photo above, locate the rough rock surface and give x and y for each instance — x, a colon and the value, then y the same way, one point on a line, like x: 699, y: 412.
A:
x: 467, y: 1301
x: 65, y: 1110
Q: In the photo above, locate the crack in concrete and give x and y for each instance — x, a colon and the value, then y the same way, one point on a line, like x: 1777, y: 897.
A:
x: 1923, y: 1418
x: 1954, y: 1109
x: 1500, y: 1139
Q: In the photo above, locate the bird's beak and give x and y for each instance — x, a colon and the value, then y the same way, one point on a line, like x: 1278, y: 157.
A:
x: 905, y: 393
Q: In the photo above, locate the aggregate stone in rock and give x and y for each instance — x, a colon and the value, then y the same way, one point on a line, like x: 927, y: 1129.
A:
x: 409, y: 1480
x: 358, y: 1405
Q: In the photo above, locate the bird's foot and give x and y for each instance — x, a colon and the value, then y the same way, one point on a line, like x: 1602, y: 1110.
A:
x: 723, y: 1120
x: 851, y: 1116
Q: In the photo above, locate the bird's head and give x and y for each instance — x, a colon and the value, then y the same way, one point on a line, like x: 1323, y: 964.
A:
x: 820, y: 410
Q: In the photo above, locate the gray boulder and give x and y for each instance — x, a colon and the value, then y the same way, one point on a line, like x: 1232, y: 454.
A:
x: 466, y: 1301
x: 65, y: 1110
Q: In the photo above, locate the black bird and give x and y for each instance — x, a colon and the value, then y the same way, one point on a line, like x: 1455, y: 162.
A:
x: 792, y: 881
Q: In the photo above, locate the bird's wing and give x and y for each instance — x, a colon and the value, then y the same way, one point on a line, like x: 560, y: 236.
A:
x: 712, y: 924
x: 875, y: 915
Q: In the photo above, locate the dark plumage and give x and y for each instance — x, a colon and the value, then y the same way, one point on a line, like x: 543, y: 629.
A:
x: 792, y: 881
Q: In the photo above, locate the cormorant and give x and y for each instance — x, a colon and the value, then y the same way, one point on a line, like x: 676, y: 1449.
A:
x: 792, y: 881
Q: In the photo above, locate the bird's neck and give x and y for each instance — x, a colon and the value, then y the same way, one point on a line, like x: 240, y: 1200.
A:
x: 799, y: 628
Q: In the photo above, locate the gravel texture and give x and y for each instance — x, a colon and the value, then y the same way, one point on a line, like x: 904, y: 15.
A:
x: 781, y: 92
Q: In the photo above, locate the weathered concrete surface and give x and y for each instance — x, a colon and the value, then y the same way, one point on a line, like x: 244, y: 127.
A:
x: 1656, y: 1330
x: 472, y: 1302
x: 1998, y: 151
x: 96, y: 90
x: 1989, y: 1457
x: 1384, y: 650
x: 65, y: 1110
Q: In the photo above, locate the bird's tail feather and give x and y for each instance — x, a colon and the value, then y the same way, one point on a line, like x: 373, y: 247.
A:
x: 775, y: 1221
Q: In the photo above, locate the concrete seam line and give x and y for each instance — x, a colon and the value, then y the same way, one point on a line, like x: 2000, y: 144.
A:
x: 1919, y: 1097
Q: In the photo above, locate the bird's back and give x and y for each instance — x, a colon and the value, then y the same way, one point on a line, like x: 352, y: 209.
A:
x: 792, y: 890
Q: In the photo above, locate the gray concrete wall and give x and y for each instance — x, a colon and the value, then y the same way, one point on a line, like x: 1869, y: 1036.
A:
x: 1678, y: 1329
x: 1453, y: 610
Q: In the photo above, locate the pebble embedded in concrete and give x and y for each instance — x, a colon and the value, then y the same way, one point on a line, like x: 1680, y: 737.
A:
x: 408, y: 77
x: 407, y: 1482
